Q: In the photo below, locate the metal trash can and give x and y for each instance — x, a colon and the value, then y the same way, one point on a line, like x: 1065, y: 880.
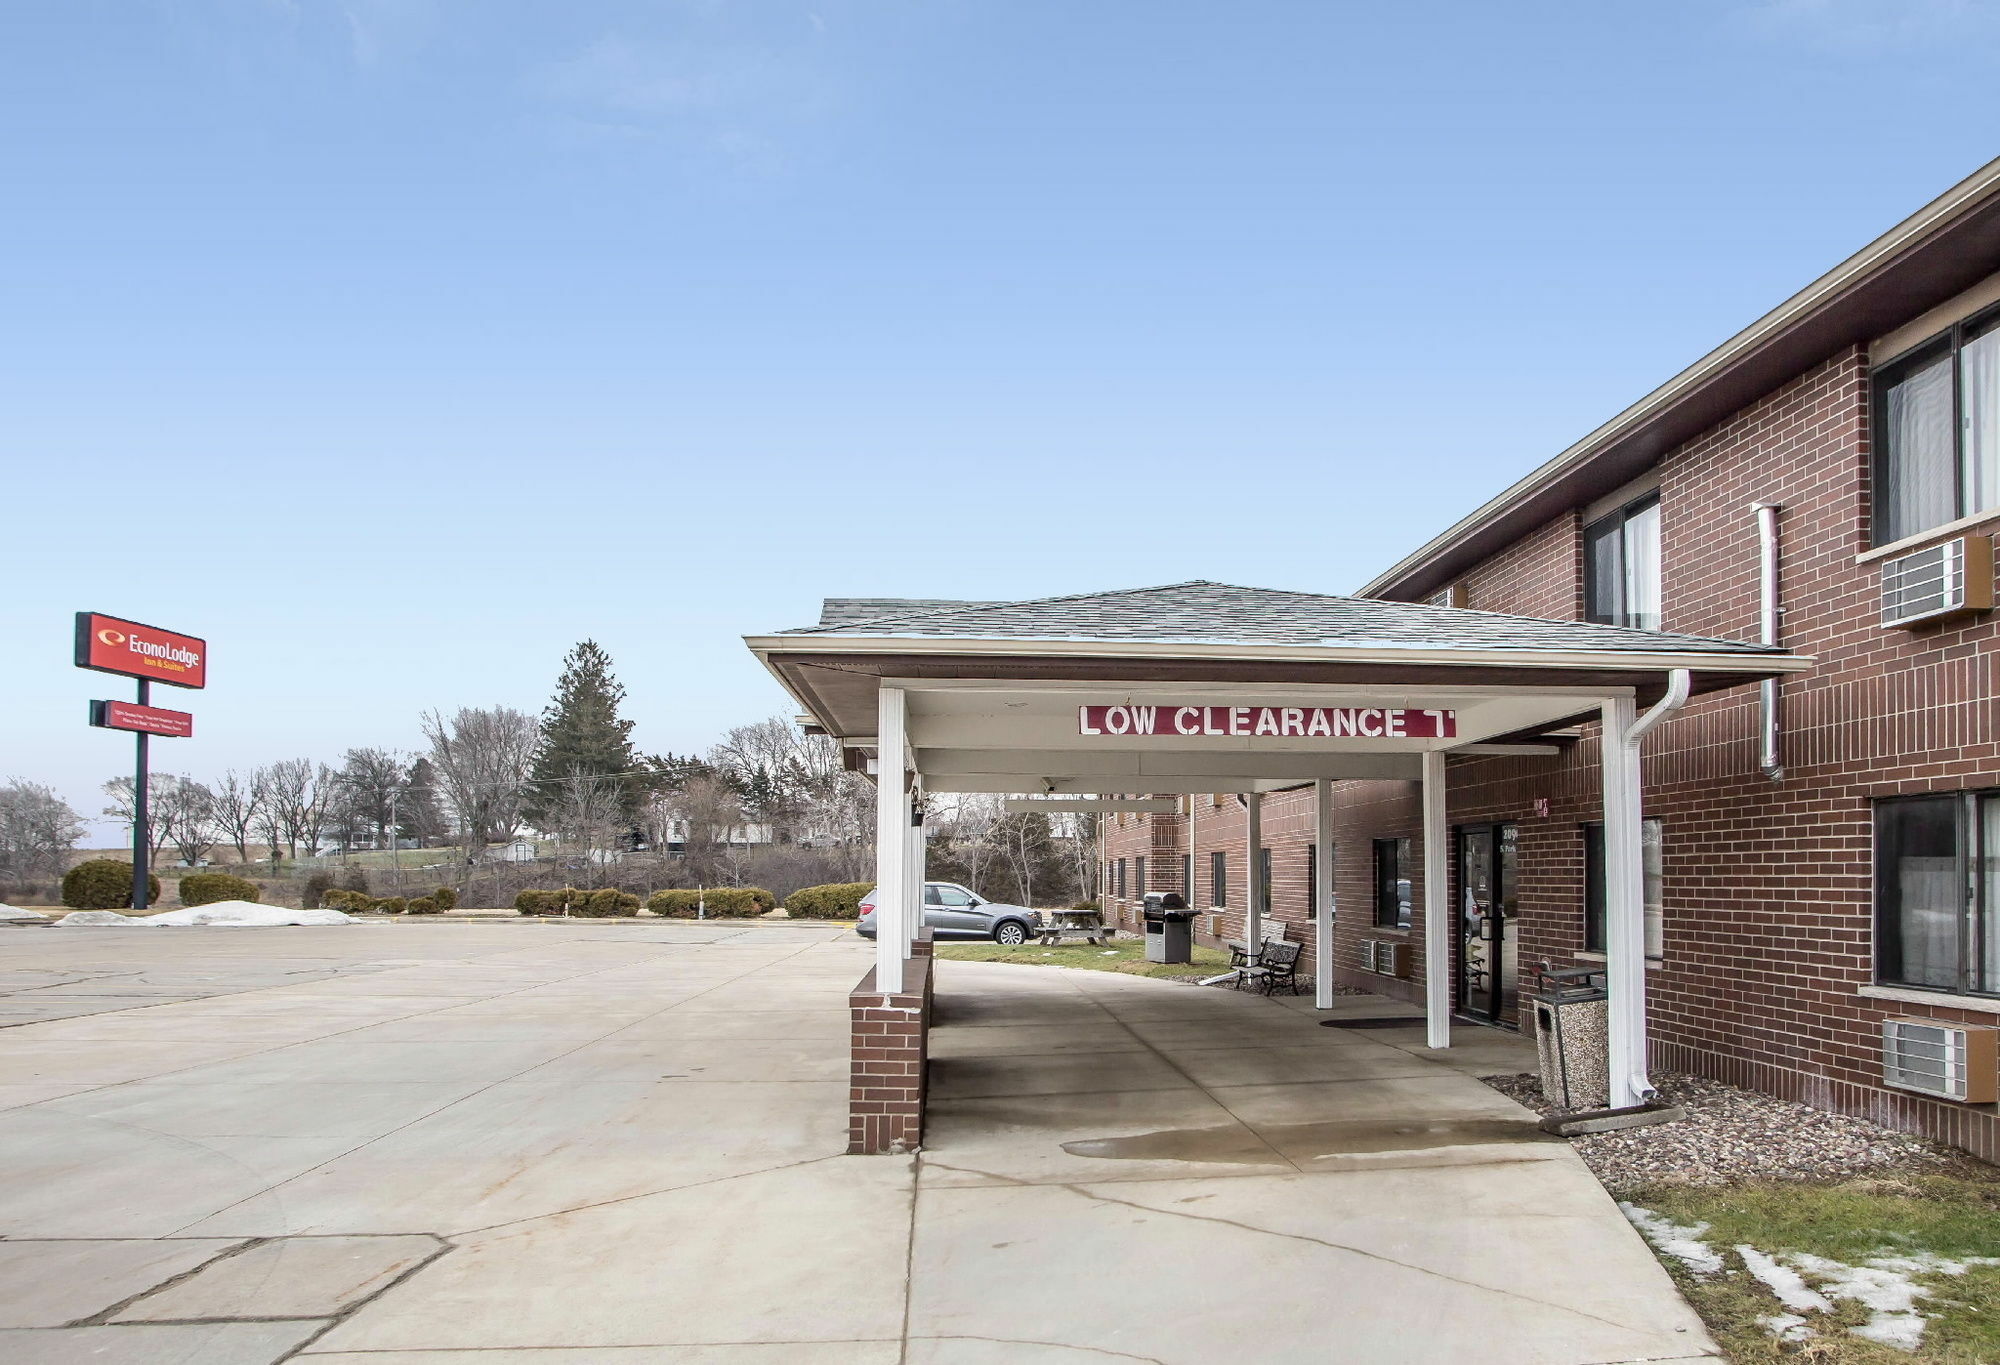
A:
x: 1169, y: 928
x: 1572, y: 1029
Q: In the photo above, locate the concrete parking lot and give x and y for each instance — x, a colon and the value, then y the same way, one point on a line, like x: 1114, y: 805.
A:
x: 538, y: 1143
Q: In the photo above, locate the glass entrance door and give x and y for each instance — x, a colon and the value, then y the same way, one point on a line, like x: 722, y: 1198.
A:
x: 1488, y: 900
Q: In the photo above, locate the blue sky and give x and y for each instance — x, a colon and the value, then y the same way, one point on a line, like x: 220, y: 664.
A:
x: 396, y: 345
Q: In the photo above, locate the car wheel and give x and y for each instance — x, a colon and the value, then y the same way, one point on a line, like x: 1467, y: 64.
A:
x: 1011, y: 933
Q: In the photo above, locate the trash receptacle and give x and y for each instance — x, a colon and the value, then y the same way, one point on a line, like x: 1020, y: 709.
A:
x: 1572, y: 1026
x: 1169, y: 928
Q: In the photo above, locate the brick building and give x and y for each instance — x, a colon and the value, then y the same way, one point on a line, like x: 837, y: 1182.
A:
x: 1821, y: 854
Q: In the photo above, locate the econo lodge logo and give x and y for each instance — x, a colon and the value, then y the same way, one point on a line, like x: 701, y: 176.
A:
x: 113, y: 638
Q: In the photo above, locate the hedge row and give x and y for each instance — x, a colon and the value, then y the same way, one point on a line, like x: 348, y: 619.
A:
x: 717, y: 902
x: 607, y: 903
x: 836, y: 900
x: 361, y: 903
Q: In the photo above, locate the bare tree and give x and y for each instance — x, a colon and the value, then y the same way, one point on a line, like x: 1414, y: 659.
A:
x: 122, y: 808
x: 781, y: 772
x: 236, y: 811
x: 186, y: 813
x: 483, y: 757
x: 369, y: 783
x: 970, y: 826
x: 1079, y: 836
x: 285, y: 794
x: 588, y: 812
x: 708, y: 819
x: 37, y: 830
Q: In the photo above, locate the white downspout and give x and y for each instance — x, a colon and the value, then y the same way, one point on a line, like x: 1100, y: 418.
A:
x: 1767, y: 633
x: 1625, y: 887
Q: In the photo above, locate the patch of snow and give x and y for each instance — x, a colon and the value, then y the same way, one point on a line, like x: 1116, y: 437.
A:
x: 1677, y: 1240
x: 15, y: 912
x: 1884, y: 1285
x: 222, y: 914
x: 1785, y: 1282
x: 1786, y: 1327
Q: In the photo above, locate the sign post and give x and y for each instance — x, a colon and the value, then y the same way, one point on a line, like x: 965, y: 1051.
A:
x: 111, y: 644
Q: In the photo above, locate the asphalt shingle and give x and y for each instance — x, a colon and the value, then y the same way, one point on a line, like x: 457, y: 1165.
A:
x: 1200, y: 612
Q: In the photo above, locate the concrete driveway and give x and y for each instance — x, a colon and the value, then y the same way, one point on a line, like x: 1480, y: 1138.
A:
x: 507, y: 1144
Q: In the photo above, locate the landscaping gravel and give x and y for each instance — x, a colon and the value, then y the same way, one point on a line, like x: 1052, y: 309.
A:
x: 1732, y: 1134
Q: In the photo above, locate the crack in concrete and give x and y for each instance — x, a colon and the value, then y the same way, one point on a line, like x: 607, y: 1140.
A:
x: 1052, y: 1345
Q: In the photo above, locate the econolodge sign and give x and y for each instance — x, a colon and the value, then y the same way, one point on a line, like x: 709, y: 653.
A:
x: 1273, y: 722
x: 110, y: 644
x: 144, y: 720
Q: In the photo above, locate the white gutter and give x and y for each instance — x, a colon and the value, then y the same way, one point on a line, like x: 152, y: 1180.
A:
x: 1767, y: 633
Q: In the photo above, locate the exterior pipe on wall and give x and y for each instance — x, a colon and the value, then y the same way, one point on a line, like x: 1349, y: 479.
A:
x: 1767, y: 614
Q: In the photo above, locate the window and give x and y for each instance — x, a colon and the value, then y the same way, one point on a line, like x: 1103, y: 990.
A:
x: 1312, y: 881
x: 1937, y: 893
x: 1621, y: 567
x: 1118, y: 881
x: 1937, y: 415
x: 1218, y: 879
x: 1651, y: 849
x: 1138, y: 879
x: 953, y: 897
x: 1392, y: 883
x: 1264, y: 881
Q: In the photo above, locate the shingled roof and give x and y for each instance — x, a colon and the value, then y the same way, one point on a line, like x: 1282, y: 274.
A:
x: 1200, y: 612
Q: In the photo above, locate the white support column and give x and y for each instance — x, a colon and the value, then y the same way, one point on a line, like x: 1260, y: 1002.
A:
x: 1624, y: 903
x: 1322, y: 893
x: 1253, y: 874
x: 1437, y: 904
x: 892, y: 839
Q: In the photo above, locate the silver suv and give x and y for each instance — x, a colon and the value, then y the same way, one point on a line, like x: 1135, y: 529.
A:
x: 952, y: 911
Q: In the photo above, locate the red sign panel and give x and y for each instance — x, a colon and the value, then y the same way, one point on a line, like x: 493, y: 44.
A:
x: 146, y: 720
x: 111, y: 645
x: 1271, y: 722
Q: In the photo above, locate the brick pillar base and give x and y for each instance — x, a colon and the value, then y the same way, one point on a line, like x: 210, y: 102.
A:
x: 890, y: 1049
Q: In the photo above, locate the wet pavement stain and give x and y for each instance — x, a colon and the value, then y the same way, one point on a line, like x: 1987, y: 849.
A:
x: 1308, y: 1141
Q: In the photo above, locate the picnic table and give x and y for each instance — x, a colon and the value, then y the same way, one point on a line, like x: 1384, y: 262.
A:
x: 1070, y: 926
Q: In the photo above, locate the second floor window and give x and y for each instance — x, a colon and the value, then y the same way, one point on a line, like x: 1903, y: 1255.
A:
x: 1621, y: 567
x: 1937, y: 418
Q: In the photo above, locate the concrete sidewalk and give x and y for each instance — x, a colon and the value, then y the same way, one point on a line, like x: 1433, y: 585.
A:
x: 508, y: 1145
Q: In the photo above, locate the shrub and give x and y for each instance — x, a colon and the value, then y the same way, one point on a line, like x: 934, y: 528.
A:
x: 392, y: 905
x: 532, y: 903
x: 104, y: 884
x: 446, y: 898
x: 608, y: 903
x: 312, y: 896
x: 424, y: 905
x: 1087, y: 905
x: 836, y: 900
x: 206, y: 888
x: 723, y: 902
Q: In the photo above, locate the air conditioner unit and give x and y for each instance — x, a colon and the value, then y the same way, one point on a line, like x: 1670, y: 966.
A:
x: 1951, y: 1061
x: 1939, y: 580
x: 1382, y: 956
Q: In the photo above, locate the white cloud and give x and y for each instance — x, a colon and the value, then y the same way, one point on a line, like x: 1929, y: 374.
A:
x: 1871, y: 26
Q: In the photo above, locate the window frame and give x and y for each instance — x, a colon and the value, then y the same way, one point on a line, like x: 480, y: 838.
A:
x: 1139, y: 878
x: 1218, y: 880
x: 1978, y: 916
x: 1615, y: 523
x: 1948, y: 345
x: 1596, y: 895
x: 1392, y: 909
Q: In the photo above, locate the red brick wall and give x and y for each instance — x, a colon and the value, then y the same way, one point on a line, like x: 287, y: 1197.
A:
x: 1768, y: 885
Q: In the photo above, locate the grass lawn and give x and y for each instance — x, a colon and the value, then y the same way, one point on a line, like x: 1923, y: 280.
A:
x: 1853, y: 1222
x: 1125, y: 953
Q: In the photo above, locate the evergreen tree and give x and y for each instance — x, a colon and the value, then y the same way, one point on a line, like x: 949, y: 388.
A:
x: 583, y: 736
